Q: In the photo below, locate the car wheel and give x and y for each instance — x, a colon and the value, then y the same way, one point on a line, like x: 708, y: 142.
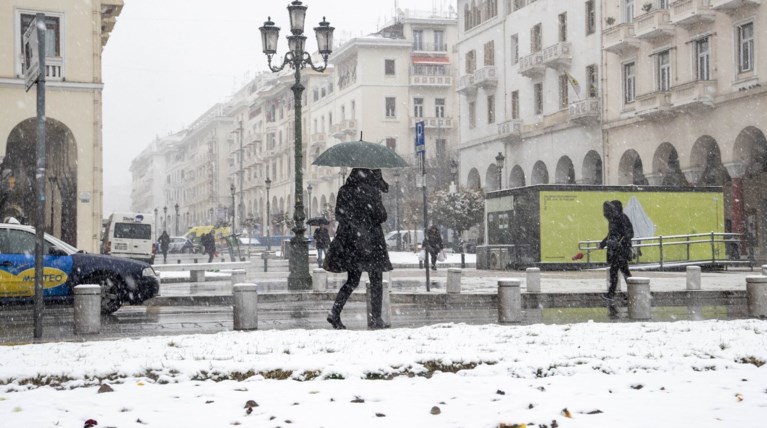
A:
x: 111, y: 291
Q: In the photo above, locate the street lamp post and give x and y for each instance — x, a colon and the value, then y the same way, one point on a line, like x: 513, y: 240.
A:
x: 396, y: 209
x: 309, y: 205
x: 499, y: 164
x: 297, y: 58
x: 232, y: 190
x: 155, y: 222
x: 164, y: 218
x: 176, y: 206
x: 268, y: 222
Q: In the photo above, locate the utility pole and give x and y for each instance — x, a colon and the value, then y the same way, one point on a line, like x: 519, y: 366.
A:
x: 242, y: 204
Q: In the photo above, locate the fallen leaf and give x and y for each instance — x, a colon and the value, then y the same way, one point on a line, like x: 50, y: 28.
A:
x: 499, y: 392
x: 637, y: 386
x: 566, y: 413
x: 250, y: 403
x: 594, y: 412
x: 209, y: 401
x: 105, y: 388
x: 380, y: 415
x: 358, y: 399
x: 435, y: 410
x: 739, y: 397
x: 90, y: 423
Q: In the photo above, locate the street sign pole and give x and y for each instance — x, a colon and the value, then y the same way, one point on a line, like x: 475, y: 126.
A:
x: 420, y: 148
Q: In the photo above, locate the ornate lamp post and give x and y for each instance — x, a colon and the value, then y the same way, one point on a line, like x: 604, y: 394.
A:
x: 499, y: 160
x: 232, y: 190
x: 176, y: 206
x: 268, y: 222
x: 297, y: 58
x: 309, y: 204
x: 164, y: 218
x: 396, y: 209
x: 155, y: 222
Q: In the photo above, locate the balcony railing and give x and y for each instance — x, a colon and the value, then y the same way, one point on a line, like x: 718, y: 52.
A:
x: 694, y: 95
x: 433, y: 122
x: 653, y: 25
x: 654, y: 105
x: 344, y: 127
x: 557, y: 56
x: 532, y: 65
x: 510, y: 131
x: 430, y: 47
x: 585, y: 111
x: 431, y: 80
x: 690, y: 12
x: 726, y: 5
x: 53, y: 67
x: 466, y: 85
x: 485, y: 77
x: 620, y: 38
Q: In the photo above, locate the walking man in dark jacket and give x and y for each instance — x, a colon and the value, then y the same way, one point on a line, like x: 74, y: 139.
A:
x: 321, y: 243
x: 164, y: 245
x: 618, y: 243
x: 433, y: 244
x: 209, y: 245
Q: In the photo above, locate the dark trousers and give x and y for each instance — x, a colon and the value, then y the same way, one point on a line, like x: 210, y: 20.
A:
x: 615, y: 266
x: 210, y: 256
x: 352, y: 281
x: 164, y: 256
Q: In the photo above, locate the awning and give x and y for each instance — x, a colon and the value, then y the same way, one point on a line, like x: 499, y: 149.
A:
x: 431, y: 60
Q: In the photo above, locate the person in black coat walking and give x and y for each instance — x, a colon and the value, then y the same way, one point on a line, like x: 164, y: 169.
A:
x: 359, y: 244
x: 321, y: 243
x: 433, y: 244
x: 164, y: 245
x: 618, y: 243
x: 208, y: 242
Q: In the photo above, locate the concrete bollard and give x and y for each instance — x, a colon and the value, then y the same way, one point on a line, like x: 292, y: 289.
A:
x: 319, y: 279
x: 693, y: 278
x: 238, y: 276
x: 639, y: 298
x: 453, y: 280
x: 533, y: 281
x: 764, y: 270
x: 245, y: 298
x: 756, y: 294
x: 87, y: 309
x: 509, y: 301
x: 385, y: 303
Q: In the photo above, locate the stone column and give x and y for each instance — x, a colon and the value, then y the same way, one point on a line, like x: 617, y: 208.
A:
x: 238, y: 276
x: 454, y: 280
x: 319, y: 280
x: 756, y: 294
x: 509, y: 301
x: 693, y: 278
x: 245, y: 298
x: 87, y: 309
x: 639, y: 298
x: 533, y: 280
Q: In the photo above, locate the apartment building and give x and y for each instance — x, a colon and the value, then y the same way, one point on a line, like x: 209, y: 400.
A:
x: 76, y: 33
x: 684, y: 102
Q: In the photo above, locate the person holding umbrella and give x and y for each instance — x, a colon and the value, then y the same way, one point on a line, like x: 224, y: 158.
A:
x: 321, y: 242
x: 359, y: 244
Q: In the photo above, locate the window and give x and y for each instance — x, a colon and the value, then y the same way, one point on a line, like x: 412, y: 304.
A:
x: 491, y: 109
x: 538, y: 97
x: 391, y: 143
x: 745, y: 47
x: 514, y: 49
x: 391, y: 107
x: 535, y: 38
x: 663, y: 70
x: 591, y: 18
x: 441, y: 147
x: 629, y: 82
x: 515, y: 105
x: 417, y: 107
x: 316, y: 94
x: 563, y: 27
x: 439, y: 107
x: 439, y: 41
x: 389, y: 67
x: 563, y: 96
x: 418, y: 40
x: 490, y: 53
x: 343, y: 113
x: 591, y: 80
x: 354, y: 110
x: 471, y: 61
x: 472, y: 115
x: 662, y: 4
x: 702, y: 59
x: 628, y: 11
x: 52, y: 33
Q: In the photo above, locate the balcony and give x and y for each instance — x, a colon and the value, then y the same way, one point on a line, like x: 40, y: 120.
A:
x: 695, y: 95
x: 429, y: 47
x: 433, y: 122
x: 532, y: 65
x: 466, y: 85
x: 687, y: 13
x: 620, y: 39
x: 53, y: 67
x: 653, y: 25
x: 486, y: 78
x: 654, y: 105
x: 731, y: 5
x: 343, y: 128
x: 318, y: 137
x: 585, y: 112
x: 557, y: 56
x: 431, y: 81
x: 510, y: 131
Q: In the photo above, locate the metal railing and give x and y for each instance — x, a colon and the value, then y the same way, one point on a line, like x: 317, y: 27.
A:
x: 718, y: 248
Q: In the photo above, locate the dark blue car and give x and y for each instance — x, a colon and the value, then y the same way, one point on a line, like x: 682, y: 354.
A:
x: 121, y: 280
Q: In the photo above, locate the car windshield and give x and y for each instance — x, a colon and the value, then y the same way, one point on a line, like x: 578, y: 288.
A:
x: 55, y: 242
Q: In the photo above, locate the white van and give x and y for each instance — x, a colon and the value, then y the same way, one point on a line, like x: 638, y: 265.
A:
x: 411, y: 239
x: 129, y: 235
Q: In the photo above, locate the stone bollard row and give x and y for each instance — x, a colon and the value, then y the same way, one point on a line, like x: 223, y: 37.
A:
x: 87, y: 317
x: 245, y: 306
x: 454, y: 280
x: 319, y: 280
x: 639, y: 306
x: 509, y: 301
x: 693, y: 278
x: 385, y: 303
x: 756, y: 295
x: 533, y: 280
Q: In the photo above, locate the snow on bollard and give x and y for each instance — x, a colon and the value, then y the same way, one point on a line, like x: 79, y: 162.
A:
x: 238, y: 277
x: 639, y: 298
x: 454, y: 280
x: 87, y: 309
x: 533, y: 280
x: 693, y: 277
x: 319, y: 279
x: 756, y: 294
x: 509, y: 301
x: 245, y: 299
x: 385, y: 304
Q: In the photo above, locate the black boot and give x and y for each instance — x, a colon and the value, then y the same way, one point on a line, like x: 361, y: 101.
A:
x: 334, y: 317
x: 376, y: 303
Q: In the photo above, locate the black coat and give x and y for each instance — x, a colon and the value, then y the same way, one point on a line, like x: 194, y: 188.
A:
x: 433, y: 241
x: 620, y: 231
x: 359, y: 244
x: 321, y: 238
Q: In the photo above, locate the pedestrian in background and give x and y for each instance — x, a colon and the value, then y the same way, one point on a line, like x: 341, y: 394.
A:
x: 618, y: 243
x: 321, y: 243
x: 164, y: 245
x: 209, y: 245
x: 359, y: 244
x: 433, y: 244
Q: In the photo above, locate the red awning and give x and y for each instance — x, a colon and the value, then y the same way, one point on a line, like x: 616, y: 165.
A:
x: 431, y: 60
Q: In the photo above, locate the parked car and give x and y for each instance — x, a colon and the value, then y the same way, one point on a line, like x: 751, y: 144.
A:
x: 122, y: 280
x: 180, y: 244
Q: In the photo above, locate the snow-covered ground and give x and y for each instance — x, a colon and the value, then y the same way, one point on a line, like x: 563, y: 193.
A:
x: 682, y: 374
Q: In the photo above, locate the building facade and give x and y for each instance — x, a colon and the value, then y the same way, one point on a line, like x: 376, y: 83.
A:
x: 74, y: 42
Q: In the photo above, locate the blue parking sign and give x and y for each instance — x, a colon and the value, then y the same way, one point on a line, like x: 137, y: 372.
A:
x: 420, y: 141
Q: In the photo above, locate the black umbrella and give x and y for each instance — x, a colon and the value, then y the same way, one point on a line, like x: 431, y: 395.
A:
x: 317, y: 221
x: 360, y: 154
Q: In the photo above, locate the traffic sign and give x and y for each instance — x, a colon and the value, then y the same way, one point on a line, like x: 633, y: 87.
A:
x: 30, y: 55
x: 420, y: 141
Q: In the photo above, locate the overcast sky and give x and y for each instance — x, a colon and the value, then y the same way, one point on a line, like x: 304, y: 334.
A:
x: 168, y: 61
